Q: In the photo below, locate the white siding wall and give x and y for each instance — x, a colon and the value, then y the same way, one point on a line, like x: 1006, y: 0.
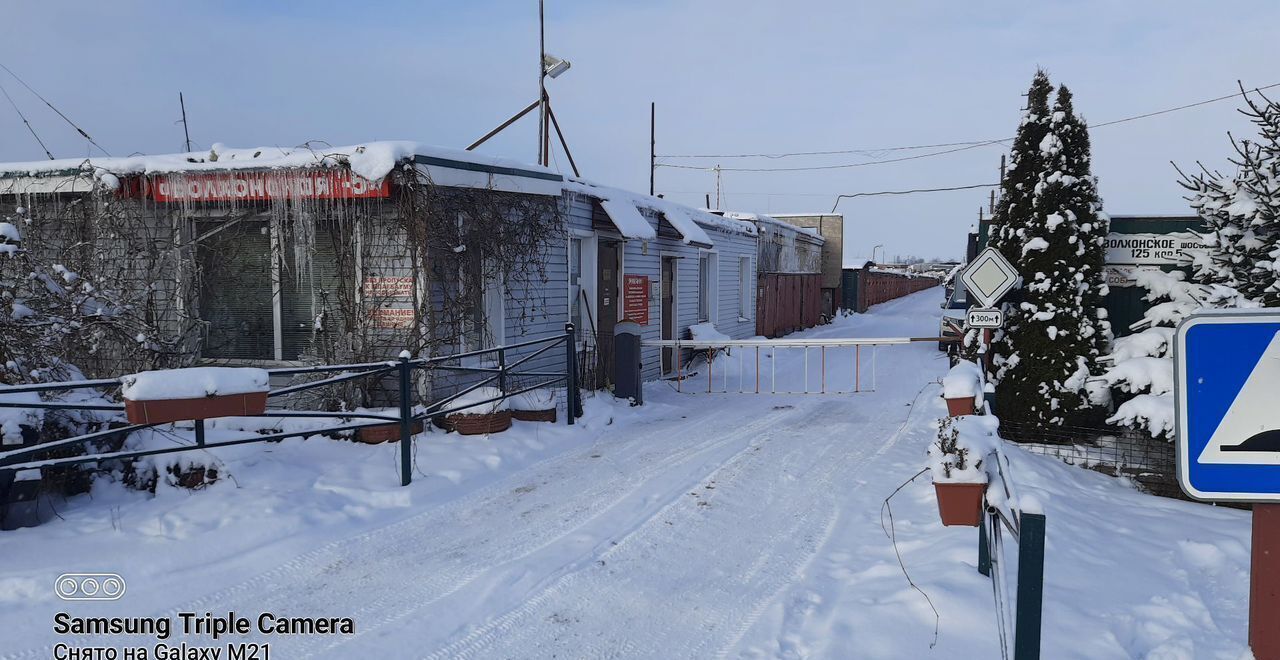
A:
x: 547, y: 310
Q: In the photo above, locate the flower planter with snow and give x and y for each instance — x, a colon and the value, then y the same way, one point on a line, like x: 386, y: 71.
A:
x: 960, y: 503
x: 172, y: 395
x: 961, y: 406
x: 962, y: 388
x: 476, y: 417
x: 534, y: 406
x: 959, y: 480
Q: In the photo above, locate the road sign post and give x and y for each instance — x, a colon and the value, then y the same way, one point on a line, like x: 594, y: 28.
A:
x: 1227, y: 367
x: 989, y: 277
x: 983, y: 317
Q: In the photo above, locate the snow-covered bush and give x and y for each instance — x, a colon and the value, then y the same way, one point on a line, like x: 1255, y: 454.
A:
x: 1141, y: 365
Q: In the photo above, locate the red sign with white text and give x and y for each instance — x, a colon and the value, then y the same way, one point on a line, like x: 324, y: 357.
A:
x: 635, y: 298
x: 264, y: 186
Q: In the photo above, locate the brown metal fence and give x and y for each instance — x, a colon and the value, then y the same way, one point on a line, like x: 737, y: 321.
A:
x: 787, y: 302
x: 874, y: 287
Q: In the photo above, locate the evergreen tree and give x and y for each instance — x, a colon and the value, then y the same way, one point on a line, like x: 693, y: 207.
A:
x: 1084, y: 210
x: 1014, y: 205
x: 1052, y: 328
x: 1242, y: 212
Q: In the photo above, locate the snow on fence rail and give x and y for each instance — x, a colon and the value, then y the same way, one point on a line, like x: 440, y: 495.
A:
x: 501, y: 373
x: 1023, y: 518
x: 751, y: 366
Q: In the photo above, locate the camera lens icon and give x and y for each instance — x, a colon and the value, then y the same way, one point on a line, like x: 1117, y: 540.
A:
x: 89, y: 586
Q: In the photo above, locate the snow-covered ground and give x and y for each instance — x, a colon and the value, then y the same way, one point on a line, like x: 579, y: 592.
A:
x: 698, y: 525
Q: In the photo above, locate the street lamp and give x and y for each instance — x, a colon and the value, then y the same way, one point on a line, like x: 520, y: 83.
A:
x: 873, y: 253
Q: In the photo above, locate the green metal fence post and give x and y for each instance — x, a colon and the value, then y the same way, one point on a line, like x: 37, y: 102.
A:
x: 1026, y: 641
x: 571, y: 374
x: 200, y: 432
x: 984, y: 552
x: 406, y: 420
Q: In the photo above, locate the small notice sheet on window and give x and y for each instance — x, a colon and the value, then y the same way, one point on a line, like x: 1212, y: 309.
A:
x: 635, y: 298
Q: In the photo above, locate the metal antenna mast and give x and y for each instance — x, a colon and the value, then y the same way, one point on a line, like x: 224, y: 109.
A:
x: 185, y: 133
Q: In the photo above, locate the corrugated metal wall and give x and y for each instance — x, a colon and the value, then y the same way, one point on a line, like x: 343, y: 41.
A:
x: 864, y: 288
x: 788, y: 302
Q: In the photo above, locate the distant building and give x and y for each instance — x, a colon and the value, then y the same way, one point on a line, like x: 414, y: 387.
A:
x: 831, y: 227
x: 788, y: 275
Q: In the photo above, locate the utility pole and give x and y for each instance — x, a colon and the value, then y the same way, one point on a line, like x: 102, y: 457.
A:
x: 653, y: 166
x: 717, y: 185
x: 543, y: 156
x: 185, y: 133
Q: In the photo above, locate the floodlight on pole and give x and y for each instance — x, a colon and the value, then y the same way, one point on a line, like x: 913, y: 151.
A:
x: 553, y: 66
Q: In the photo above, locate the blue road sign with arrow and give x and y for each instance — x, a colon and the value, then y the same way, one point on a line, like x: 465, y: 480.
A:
x: 1227, y: 392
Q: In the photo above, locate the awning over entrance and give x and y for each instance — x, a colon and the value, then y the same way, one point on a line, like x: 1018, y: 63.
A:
x: 628, y: 219
x: 689, y: 230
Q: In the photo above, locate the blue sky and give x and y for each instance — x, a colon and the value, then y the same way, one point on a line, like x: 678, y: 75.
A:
x: 728, y: 77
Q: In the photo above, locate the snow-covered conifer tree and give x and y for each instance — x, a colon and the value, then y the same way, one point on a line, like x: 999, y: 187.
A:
x: 1043, y: 356
x: 1084, y: 210
x: 1242, y: 212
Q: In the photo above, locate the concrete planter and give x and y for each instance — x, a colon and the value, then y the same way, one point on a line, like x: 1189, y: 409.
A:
x: 961, y: 406
x: 960, y: 504
x: 162, y: 411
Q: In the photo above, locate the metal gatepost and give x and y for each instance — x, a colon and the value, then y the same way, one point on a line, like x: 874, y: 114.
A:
x: 405, y: 370
x: 1028, y: 529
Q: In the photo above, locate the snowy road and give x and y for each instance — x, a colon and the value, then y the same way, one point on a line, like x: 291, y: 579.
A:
x: 696, y: 526
x: 666, y: 536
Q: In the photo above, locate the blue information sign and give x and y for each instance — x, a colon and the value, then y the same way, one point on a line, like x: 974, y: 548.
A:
x: 1227, y: 391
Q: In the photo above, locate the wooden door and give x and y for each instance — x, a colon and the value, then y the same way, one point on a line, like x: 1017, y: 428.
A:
x: 668, y: 311
x: 609, y: 286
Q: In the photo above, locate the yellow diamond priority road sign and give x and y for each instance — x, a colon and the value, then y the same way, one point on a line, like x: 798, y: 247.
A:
x: 989, y: 277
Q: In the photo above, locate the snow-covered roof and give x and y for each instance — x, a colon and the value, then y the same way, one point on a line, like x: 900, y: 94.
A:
x: 371, y: 160
x: 762, y: 220
x: 857, y: 263
x: 688, y: 221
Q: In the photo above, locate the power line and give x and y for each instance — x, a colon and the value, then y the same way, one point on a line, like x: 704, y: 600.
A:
x: 867, y: 152
x: 46, y: 102
x: 960, y: 146
x: 971, y: 145
x: 24, y: 120
x: 908, y: 192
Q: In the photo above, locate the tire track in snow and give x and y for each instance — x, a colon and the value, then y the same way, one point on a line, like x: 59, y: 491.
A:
x: 311, y: 576
x: 614, y: 524
x: 796, y: 616
x: 784, y: 553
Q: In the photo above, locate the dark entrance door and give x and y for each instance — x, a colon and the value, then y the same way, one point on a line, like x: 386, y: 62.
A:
x: 235, y: 292
x: 607, y: 290
x: 668, y: 311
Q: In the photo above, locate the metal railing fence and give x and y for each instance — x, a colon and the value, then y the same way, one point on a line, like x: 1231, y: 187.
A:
x: 750, y: 366
x: 505, y: 374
